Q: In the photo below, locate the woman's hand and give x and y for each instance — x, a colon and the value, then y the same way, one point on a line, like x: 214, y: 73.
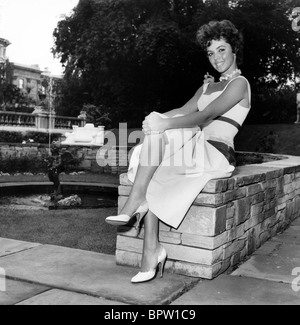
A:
x: 154, y: 124
x: 208, y: 78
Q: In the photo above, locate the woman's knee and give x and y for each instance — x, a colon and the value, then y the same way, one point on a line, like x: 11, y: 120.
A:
x: 153, y: 148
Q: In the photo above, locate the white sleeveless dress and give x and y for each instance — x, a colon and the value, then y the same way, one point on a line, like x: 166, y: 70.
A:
x: 191, y: 160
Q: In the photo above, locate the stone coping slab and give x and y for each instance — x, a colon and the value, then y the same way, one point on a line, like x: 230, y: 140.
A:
x: 74, y: 183
x: 17, y: 292
x: 57, y: 297
x: 242, y: 175
x: 93, y: 274
x: 249, y: 170
x: 230, y: 290
x: 11, y: 246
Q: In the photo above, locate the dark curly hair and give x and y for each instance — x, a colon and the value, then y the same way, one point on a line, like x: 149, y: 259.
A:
x: 225, y: 29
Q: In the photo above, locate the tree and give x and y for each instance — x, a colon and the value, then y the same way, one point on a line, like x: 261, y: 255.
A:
x: 136, y: 56
x: 97, y: 115
x: 271, y: 51
x: 129, y: 55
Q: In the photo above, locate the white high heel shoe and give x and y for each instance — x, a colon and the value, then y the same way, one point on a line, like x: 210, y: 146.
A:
x: 147, y: 276
x: 123, y: 219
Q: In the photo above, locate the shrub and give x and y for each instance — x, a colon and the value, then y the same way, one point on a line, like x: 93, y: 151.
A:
x: 22, y: 164
x: 268, y: 143
x: 18, y: 137
x: 11, y: 137
x: 36, y: 164
x: 272, y: 106
x: 40, y: 137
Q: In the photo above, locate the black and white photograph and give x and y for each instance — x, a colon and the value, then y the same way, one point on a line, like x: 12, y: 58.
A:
x: 149, y: 155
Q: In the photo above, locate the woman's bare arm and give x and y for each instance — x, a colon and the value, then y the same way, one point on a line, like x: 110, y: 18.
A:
x: 233, y: 94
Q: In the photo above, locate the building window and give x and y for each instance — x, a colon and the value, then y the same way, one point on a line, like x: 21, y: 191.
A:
x: 2, y: 51
x: 21, y: 83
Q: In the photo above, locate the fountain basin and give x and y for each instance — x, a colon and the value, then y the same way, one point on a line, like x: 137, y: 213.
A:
x: 36, y: 195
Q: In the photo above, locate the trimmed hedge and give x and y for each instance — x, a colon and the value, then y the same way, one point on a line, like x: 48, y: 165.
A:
x: 18, y: 137
x: 23, y: 164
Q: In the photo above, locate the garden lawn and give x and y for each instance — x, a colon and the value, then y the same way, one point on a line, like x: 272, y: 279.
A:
x: 80, y: 229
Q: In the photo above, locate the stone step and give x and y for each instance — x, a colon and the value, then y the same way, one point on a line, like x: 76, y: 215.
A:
x: 91, y: 274
x: 274, y: 262
x: 11, y: 246
x: 229, y: 290
x: 17, y: 291
x: 57, y: 297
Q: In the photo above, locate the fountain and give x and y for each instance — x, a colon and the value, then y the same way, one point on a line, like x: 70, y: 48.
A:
x: 57, y: 163
x: 88, y: 135
x: 61, y: 195
x: 54, y: 168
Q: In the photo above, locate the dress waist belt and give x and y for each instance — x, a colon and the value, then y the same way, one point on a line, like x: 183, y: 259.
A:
x: 225, y: 150
x: 228, y: 120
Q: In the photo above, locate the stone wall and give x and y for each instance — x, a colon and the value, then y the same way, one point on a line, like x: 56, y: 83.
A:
x: 20, y: 150
x: 228, y: 221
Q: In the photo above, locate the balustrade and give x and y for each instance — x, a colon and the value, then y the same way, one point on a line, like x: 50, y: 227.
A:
x: 38, y: 122
x: 16, y: 119
x: 68, y: 122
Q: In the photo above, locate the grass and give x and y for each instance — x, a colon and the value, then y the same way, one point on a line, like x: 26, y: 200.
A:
x: 80, y: 229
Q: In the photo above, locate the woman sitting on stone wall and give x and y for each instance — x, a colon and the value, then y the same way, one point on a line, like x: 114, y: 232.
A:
x: 186, y: 147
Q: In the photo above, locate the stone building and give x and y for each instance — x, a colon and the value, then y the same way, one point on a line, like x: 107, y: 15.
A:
x: 3, y: 45
x: 3, y: 59
x: 28, y: 78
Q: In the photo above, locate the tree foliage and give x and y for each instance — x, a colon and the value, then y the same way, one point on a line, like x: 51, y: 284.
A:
x: 136, y: 56
x: 99, y: 116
